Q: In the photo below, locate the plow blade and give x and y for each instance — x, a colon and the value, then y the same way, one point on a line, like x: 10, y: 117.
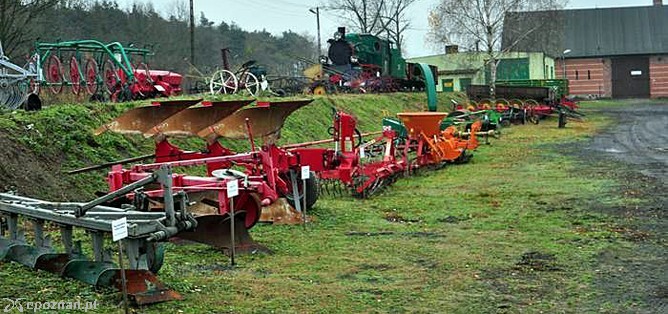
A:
x: 141, y: 119
x: 266, y: 119
x: 195, y: 119
x: 281, y: 213
x: 143, y: 286
x: 215, y: 230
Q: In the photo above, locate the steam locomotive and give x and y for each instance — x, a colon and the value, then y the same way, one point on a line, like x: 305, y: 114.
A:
x: 367, y: 63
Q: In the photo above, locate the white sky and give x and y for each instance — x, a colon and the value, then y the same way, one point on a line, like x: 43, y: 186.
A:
x: 277, y: 16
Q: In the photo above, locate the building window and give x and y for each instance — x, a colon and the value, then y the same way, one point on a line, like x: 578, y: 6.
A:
x: 552, y: 71
x: 589, y: 74
x: 577, y: 75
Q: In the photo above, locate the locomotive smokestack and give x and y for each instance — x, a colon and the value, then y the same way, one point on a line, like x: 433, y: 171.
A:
x: 342, y: 31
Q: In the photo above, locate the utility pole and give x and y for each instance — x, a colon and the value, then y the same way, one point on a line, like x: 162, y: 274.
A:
x: 192, y: 33
x: 563, y: 62
x: 316, y: 11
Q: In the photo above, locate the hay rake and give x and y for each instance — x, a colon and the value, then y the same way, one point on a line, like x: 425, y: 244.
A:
x: 15, y: 82
x: 146, y: 230
x: 95, y: 68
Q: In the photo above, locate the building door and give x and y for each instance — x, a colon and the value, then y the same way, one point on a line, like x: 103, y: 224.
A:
x: 464, y: 84
x: 630, y: 77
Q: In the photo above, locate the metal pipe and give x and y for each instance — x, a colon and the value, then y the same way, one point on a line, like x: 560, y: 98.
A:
x: 327, y: 141
x: 194, y: 162
x: 111, y: 163
x: 165, y: 178
x: 81, y: 210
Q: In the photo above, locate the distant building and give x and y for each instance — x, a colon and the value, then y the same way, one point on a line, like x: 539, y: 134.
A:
x: 457, y: 70
x: 610, y: 52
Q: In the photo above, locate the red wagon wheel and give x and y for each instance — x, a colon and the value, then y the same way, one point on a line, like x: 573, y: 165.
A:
x: 91, y: 76
x: 54, y: 74
x: 110, y: 76
x: 75, y: 76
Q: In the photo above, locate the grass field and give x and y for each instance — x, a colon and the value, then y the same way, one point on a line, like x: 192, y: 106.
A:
x: 511, y: 231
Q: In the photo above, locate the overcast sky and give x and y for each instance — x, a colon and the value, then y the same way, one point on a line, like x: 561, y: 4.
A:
x: 277, y: 16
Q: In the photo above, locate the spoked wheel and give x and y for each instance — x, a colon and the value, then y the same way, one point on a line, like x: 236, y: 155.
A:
x: 54, y: 74
x: 110, y: 76
x: 90, y: 75
x: 75, y: 76
x: 13, y: 95
x: 223, y: 82
x: 250, y: 82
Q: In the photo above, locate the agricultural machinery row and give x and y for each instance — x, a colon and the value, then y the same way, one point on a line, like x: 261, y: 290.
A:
x: 162, y: 201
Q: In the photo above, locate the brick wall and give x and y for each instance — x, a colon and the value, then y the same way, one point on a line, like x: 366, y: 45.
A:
x: 658, y: 79
x: 587, y: 76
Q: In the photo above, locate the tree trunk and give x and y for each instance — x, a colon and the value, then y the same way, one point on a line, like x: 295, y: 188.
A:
x: 493, y: 63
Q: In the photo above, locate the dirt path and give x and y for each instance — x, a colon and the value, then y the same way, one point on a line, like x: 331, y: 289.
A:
x: 640, y: 138
x: 633, y: 274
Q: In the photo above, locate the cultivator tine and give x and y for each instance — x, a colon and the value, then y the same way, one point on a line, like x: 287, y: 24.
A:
x: 141, y: 119
x: 266, y: 120
x: 214, y: 230
x: 195, y: 119
x: 332, y: 187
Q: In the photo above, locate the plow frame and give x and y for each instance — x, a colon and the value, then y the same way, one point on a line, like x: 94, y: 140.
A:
x: 145, y: 230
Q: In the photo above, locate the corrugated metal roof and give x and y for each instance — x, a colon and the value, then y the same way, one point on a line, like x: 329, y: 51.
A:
x: 591, y: 32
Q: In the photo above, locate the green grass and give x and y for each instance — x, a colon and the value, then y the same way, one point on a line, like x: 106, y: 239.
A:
x: 518, y: 195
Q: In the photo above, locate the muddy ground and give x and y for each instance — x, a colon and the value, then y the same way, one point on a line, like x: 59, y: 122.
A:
x: 634, y: 277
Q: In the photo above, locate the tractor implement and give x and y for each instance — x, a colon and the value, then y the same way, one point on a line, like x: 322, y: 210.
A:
x: 142, y: 119
x: 266, y: 119
x: 208, y: 201
x: 362, y: 168
x: 433, y: 147
x: 270, y: 172
x: 15, y: 82
x: 142, y: 248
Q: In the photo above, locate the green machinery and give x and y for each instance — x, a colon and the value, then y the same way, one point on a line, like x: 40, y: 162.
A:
x: 90, y: 66
x: 559, y: 87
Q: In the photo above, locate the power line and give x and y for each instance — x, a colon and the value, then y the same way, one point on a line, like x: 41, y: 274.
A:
x: 301, y: 5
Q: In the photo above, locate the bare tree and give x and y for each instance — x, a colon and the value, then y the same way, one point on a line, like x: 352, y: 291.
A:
x: 364, y: 16
x: 480, y: 22
x: 16, y: 21
x: 395, y: 19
